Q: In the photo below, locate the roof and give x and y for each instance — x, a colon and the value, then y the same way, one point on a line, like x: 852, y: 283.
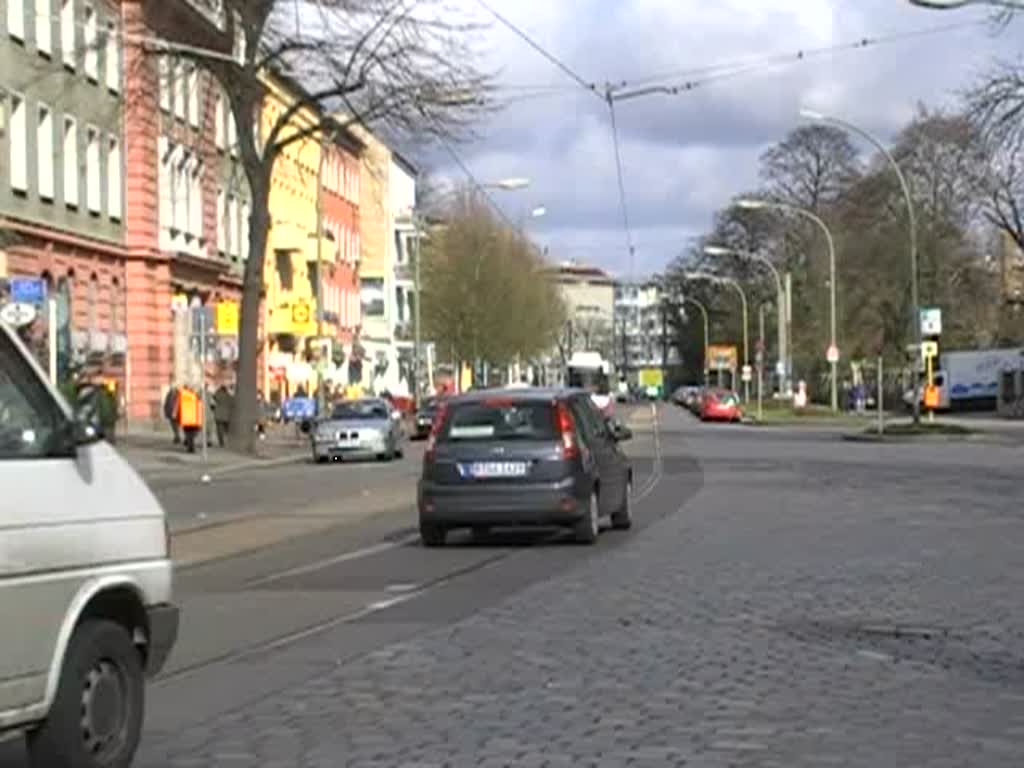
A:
x: 531, y: 394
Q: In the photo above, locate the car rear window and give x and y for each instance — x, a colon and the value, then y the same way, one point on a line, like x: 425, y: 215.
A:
x: 359, y: 410
x: 499, y: 420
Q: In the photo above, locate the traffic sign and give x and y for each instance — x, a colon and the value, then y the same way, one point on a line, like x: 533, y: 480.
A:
x: 832, y: 355
x: 929, y: 349
x: 28, y: 290
x: 748, y: 373
x: 227, y: 318
x: 931, y: 321
x: 18, y: 314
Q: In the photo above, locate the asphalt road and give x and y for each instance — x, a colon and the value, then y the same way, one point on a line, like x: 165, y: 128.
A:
x: 787, y: 599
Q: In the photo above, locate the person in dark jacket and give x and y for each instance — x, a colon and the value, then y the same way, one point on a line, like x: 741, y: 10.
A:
x: 223, y: 405
x: 171, y: 412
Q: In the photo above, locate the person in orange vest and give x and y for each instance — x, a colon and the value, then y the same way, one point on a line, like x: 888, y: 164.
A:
x: 190, y: 416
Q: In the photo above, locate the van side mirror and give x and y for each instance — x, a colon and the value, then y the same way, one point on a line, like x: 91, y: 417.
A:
x: 88, y: 419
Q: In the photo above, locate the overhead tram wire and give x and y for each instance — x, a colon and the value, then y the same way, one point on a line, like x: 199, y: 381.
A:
x: 627, y: 89
x: 623, y: 203
x: 588, y: 86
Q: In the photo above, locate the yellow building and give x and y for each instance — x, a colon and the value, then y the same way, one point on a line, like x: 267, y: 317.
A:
x: 290, y: 264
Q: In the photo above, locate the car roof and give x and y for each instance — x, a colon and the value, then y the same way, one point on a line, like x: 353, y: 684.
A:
x: 517, y: 394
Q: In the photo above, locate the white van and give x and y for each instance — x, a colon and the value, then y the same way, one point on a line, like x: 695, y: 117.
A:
x: 85, y: 578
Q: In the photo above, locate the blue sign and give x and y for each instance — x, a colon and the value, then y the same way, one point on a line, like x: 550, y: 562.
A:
x: 28, y: 290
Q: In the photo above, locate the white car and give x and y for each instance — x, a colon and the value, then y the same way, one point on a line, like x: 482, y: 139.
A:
x: 85, y: 578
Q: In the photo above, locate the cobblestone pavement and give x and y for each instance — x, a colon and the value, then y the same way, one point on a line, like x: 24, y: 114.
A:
x: 815, y: 604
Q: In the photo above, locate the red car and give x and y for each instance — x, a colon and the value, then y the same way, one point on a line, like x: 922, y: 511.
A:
x: 720, y: 405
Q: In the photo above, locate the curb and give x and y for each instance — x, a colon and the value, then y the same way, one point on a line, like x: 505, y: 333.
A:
x: 184, y: 472
x: 862, y: 438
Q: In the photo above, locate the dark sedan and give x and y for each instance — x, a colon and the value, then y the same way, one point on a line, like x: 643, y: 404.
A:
x: 524, y: 457
x: 425, y: 418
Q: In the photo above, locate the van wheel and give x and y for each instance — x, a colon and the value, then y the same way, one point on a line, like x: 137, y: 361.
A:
x: 587, y: 530
x: 96, y: 717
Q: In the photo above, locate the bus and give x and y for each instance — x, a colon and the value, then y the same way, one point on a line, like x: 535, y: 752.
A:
x: 590, y: 371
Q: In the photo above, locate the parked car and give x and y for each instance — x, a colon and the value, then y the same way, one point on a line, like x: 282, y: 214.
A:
x: 425, y: 418
x: 364, y: 428
x: 720, y: 405
x: 85, y: 577
x: 535, y: 457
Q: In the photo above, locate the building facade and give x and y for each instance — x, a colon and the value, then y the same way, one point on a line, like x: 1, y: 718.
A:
x: 643, y: 335
x: 387, y: 206
x: 62, y: 174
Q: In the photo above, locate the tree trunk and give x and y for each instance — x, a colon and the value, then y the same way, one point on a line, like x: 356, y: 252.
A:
x: 245, y: 414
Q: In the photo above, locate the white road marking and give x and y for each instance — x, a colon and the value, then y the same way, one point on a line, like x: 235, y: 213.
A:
x: 345, y: 557
x: 656, y: 472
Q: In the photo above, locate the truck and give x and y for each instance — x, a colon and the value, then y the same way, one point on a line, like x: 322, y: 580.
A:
x: 968, y: 380
x: 590, y: 371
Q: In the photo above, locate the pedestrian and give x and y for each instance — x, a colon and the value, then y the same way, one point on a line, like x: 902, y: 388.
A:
x: 190, y: 416
x: 223, y: 405
x: 171, y: 412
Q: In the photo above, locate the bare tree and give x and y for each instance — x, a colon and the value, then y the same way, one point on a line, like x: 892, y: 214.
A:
x: 811, y: 167
x: 403, y: 67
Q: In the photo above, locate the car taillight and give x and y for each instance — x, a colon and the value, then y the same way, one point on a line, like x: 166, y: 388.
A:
x: 435, y: 428
x: 566, y: 431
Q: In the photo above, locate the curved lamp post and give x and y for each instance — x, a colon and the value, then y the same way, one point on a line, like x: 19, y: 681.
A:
x: 754, y: 205
x: 722, y: 279
x: 911, y: 220
x: 707, y: 331
x: 717, y: 250
x: 946, y: 5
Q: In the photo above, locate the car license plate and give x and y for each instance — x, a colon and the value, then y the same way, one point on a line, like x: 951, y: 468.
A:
x: 488, y: 469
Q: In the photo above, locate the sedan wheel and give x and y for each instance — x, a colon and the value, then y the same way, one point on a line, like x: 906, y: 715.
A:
x: 587, y: 530
x: 622, y: 520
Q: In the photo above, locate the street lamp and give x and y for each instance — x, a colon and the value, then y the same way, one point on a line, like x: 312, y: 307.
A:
x: 538, y: 212
x: 947, y: 5
x: 718, y: 250
x: 912, y: 222
x: 707, y: 333
x: 753, y: 205
x: 515, y: 182
x: 743, y: 301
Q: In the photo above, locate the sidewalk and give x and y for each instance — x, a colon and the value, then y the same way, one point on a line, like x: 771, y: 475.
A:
x: 152, y: 453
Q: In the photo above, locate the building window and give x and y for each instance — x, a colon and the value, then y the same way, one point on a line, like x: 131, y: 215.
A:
x: 218, y: 122
x: 67, y: 33
x: 164, y: 76
x: 70, y: 162
x: 285, y: 272
x: 19, y: 144
x: 222, y: 224
x: 179, y: 81
x: 179, y: 192
x: 238, y: 46
x: 115, y: 306
x: 195, y: 198
x: 243, y: 232
x: 164, y: 184
x: 44, y: 26
x: 233, y: 245
x: 113, y: 55
x: 16, y: 19
x: 371, y: 291
x: 232, y: 139
x: 193, y: 96
x: 44, y: 152
x: 91, y: 42
x: 114, y: 178
x: 92, y: 171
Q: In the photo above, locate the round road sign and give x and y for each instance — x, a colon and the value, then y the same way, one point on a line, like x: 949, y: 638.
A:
x: 17, y: 314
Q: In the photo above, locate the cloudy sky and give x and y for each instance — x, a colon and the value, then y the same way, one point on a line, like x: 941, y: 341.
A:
x: 686, y: 155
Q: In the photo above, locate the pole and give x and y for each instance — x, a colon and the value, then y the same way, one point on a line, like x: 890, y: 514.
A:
x: 202, y: 384
x: 881, y: 409
x: 789, y: 333
x: 915, y: 300
x: 707, y: 334
x: 417, y: 350
x: 321, y: 403
x: 760, y: 367
x: 746, y: 339
x: 51, y: 337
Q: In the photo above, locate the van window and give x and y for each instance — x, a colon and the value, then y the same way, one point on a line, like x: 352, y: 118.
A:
x: 32, y: 425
